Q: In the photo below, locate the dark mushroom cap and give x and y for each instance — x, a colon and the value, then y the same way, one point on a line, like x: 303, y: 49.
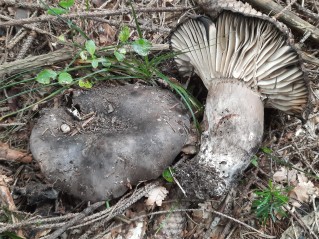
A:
x: 249, y: 49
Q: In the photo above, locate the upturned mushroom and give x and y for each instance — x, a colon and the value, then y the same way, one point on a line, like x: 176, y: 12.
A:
x: 247, y: 62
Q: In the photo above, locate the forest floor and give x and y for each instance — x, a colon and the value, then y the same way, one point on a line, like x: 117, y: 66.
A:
x: 287, y: 163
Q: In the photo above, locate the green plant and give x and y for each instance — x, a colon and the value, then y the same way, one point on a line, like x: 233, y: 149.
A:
x: 112, y: 62
x: 269, y: 203
x: 64, y: 7
x: 9, y: 235
x: 167, y: 174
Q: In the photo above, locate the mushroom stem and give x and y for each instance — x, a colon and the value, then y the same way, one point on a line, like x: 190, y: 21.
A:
x: 235, y: 117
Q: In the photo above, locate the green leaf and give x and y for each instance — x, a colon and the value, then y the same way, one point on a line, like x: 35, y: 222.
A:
x: 254, y: 161
x: 142, y: 46
x: 167, y: 175
x: 62, y: 38
x: 85, y: 84
x: 95, y: 63
x: 45, y: 76
x: 57, y: 11
x: 119, y: 56
x: 136, y: 22
x: 90, y: 47
x: 266, y: 150
x: 83, y: 55
x: 105, y: 62
x: 124, y: 34
x: 66, y: 3
x: 269, y: 203
x: 65, y: 78
x: 10, y: 235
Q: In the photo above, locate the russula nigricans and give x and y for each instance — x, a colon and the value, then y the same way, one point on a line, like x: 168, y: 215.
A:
x: 246, y: 62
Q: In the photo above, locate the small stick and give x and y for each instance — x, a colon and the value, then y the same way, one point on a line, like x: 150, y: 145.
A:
x: 117, y: 24
x: 261, y: 234
x: 26, y: 45
x: 23, y: 4
x: 305, y: 160
x: 104, y: 13
x: 10, y: 154
x: 79, y: 217
x: 289, y: 18
x: 302, y: 224
x: 307, y: 12
x: 12, y: 124
x: 30, y: 27
x: 63, y: 54
x: 284, y: 9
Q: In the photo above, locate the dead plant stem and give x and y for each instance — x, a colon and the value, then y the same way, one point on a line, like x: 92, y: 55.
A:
x: 104, y: 13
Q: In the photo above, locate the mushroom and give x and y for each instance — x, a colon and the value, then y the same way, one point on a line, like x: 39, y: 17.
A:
x: 246, y: 62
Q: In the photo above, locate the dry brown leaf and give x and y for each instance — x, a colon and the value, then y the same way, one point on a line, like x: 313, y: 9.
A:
x: 283, y: 175
x: 4, y: 180
x: 12, y: 154
x: 106, y: 34
x: 303, y: 192
x: 156, y: 196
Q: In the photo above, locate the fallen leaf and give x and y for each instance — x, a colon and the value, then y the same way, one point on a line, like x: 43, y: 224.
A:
x: 302, y: 193
x: 106, y: 34
x: 156, y: 196
x: 283, y: 175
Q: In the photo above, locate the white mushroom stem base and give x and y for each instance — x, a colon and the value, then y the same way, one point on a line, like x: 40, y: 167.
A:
x: 234, y: 117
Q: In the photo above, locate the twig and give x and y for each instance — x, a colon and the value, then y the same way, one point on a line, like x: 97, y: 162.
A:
x: 301, y: 223
x: 23, y: 4
x: 18, y: 37
x: 104, y: 13
x: 12, y: 124
x: 79, y: 217
x: 117, y: 23
x: 307, y: 12
x: 36, y: 221
x: 54, y: 57
x: 288, y: 7
x: 67, y: 222
x: 27, y: 44
x: 290, y: 19
x: 119, y: 208
x: 20, y: 34
x: 316, y: 210
x: 30, y: 27
x: 210, y: 210
x: 305, y: 160
x: 305, y: 37
x: 309, y: 58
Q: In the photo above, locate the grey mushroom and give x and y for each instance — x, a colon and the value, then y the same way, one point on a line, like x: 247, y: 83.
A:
x: 247, y: 63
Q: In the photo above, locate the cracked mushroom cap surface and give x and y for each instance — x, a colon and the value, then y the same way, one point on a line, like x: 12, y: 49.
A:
x: 249, y: 49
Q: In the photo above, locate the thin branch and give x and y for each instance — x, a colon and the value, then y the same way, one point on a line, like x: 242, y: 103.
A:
x: 105, y: 13
x: 79, y: 217
x: 117, y: 24
x: 271, y: 8
x: 23, y: 4
x: 30, y: 27
x: 307, y: 12
x: 64, y: 54
x: 301, y: 223
x: 261, y: 234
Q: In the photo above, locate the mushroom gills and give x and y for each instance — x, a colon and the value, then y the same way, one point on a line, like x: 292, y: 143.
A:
x: 248, y: 49
x: 241, y: 61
